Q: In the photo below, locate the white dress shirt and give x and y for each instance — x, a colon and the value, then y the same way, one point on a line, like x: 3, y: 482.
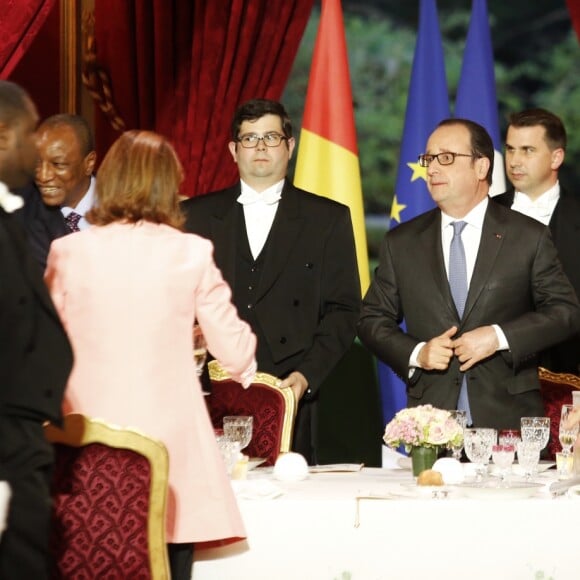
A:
x: 83, y: 206
x: 540, y: 209
x: 259, y: 213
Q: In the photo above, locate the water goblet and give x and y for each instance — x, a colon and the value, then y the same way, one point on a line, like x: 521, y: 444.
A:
x: 478, y: 447
x: 238, y: 428
x: 230, y: 451
x: 568, y: 430
x: 536, y: 429
x: 461, y: 418
x: 199, y: 349
x: 503, y: 457
x: 528, y: 457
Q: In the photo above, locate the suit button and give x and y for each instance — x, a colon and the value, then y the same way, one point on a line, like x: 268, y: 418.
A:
x: 250, y: 306
x: 250, y: 287
x: 309, y: 265
x: 283, y: 340
x: 296, y: 302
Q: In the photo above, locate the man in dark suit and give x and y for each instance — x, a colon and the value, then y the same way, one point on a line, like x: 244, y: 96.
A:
x: 535, y: 151
x: 35, y: 356
x: 65, y: 187
x: 289, y: 257
x: 516, y: 300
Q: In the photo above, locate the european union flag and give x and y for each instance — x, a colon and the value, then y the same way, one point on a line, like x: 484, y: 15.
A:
x: 476, y: 94
x: 427, y: 104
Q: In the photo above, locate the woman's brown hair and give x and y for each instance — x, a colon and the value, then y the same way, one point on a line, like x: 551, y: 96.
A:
x: 139, y: 180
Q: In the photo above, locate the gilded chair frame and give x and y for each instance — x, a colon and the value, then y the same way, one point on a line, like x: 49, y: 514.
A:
x: 79, y: 430
x: 567, y: 379
x: 217, y: 373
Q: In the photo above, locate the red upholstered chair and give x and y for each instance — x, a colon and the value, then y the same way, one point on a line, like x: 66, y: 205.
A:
x: 109, y: 498
x: 273, y: 409
x: 556, y: 390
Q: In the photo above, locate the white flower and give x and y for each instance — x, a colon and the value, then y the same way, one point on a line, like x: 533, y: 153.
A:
x: 8, y: 201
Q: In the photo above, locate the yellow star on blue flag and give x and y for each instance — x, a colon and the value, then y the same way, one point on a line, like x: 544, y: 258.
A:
x: 396, y: 209
x: 419, y: 172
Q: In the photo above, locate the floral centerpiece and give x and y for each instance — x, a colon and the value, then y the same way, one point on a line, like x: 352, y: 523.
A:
x: 423, y: 430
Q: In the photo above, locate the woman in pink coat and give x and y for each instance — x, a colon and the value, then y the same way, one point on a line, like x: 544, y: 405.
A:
x: 128, y: 290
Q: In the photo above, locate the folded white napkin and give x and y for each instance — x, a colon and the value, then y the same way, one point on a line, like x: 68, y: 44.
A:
x: 256, y: 489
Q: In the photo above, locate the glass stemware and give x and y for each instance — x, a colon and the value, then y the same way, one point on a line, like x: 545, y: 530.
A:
x: 568, y: 430
x: 199, y: 349
x: 509, y: 437
x: 239, y: 428
x: 536, y: 429
x: 528, y: 457
x: 461, y: 418
x: 503, y: 457
x: 478, y: 448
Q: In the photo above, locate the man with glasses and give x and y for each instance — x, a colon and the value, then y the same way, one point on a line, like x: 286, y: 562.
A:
x: 289, y: 257
x: 479, y: 287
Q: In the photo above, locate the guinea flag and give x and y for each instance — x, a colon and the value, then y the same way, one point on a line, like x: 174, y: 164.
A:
x: 327, y: 162
x: 349, y: 422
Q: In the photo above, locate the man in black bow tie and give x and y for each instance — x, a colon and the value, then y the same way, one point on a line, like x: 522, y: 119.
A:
x: 535, y: 151
x: 289, y: 257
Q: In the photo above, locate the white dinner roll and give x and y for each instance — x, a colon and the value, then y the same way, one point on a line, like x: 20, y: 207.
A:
x: 290, y: 467
x: 450, y: 469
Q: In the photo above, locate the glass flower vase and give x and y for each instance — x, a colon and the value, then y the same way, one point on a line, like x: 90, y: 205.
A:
x: 422, y: 458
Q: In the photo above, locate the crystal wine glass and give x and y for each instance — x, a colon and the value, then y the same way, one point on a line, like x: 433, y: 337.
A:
x: 536, y: 429
x: 461, y: 418
x: 528, y: 457
x: 478, y: 447
x: 509, y: 437
x: 239, y: 428
x: 503, y: 457
x: 199, y: 349
x: 568, y: 430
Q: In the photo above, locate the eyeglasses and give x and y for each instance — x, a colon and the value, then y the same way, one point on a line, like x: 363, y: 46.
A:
x: 251, y: 140
x: 446, y: 158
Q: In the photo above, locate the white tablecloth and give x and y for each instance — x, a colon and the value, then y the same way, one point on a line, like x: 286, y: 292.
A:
x: 310, y: 532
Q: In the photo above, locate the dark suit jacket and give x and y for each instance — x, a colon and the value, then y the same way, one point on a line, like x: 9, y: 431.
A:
x: 517, y: 283
x: 309, y: 293
x: 565, y: 228
x: 35, y: 358
x: 42, y: 223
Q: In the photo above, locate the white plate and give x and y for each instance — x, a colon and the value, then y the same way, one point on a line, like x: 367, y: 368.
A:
x: 424, y: 491
x: 494, y: 490
x: 517, y: 470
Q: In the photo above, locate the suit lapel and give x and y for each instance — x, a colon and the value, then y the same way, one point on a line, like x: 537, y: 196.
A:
x: 282, y: 238
x: 433, y: 252
x: 224, y: 230
x: 31, y: 271
x: 492, y: 239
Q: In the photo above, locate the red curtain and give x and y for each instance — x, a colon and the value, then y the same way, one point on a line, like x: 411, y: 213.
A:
x: 574, y: 9
x: 20, y: 21
x: 181, y: 67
